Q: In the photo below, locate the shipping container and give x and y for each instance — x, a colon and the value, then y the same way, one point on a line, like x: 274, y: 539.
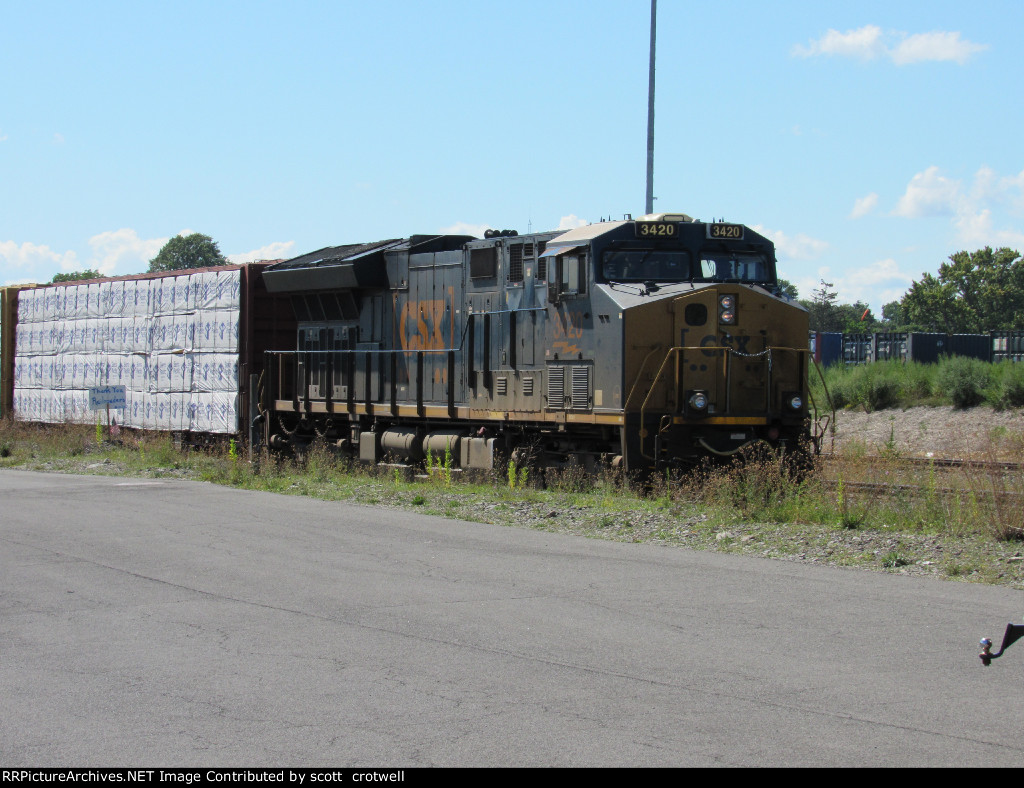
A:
x: 926, y: 348
x: 858, y: 348
x: 977, y: 346
x: 1007, y: 345
x: 892, y: 346
x: 827, y: 347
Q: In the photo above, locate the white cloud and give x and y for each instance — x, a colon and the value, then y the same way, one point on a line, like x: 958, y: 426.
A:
x: 278, y: 250
x: 937, y: 46
x: 864, y: 205
x: 122, y: 252
x: 795, y: 247
x: 29, y: 257
x: 571, y: 222
x: 865, y: 43
x: 875, y: 283
x: 929, y: 194
x: 976, y: 212
x: 869, y: 43
x: 4, y: 138
x: 111, y: 253
x: 465, y: 228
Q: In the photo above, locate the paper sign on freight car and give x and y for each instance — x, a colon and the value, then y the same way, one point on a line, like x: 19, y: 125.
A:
x: 113, y: 396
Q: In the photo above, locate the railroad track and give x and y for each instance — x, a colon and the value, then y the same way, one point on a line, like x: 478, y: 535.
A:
x: 941, y: 462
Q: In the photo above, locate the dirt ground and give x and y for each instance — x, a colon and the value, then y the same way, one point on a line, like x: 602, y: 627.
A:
x: 979, y: 433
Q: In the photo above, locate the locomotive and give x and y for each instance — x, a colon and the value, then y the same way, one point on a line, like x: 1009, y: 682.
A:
x: 646, y: 344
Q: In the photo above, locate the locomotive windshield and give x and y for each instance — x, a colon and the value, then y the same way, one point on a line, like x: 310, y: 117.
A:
x: 646, y: 265
x: 723, y: 266
x: 677, y: 265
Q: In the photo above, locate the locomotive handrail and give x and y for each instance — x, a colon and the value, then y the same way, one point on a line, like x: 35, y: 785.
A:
x: 832, y: 408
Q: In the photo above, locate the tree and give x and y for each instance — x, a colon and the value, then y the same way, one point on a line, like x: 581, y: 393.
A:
x: 974, y: 292
x: 822, y: 309
x: 788, y: 289
x: 187, y: 251
x: 75, y: 276
x: 892, y: 314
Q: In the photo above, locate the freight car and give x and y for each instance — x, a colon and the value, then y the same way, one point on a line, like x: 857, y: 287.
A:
x: 184, y: 346
x: 643, y: 343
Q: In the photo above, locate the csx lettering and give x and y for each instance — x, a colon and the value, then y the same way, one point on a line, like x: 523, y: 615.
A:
x: 422, y: 325
x: 738, y: 344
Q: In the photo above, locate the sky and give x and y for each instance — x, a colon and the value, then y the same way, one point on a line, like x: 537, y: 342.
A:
x: 869, y: 140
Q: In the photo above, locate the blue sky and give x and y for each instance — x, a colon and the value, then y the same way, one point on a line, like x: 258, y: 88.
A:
x: 870, y: 140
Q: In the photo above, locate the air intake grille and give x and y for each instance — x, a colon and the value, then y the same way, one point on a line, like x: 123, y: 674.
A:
x: 556, y: 388
x: 515, y: 263
x: 580, y: 388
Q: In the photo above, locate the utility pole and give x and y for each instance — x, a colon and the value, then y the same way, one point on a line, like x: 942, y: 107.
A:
x: 650, y: 114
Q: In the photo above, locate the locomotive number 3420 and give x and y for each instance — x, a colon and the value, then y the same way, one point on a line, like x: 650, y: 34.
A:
x: 652, y: 229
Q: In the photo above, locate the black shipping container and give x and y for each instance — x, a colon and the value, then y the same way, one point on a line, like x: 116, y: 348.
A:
x: 926, y: 348
x: 971, y: 345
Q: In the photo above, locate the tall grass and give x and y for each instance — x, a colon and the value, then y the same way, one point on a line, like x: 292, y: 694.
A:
x: 957, y: 381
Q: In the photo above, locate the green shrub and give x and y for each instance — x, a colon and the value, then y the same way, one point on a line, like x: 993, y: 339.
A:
x: 963, y: 380
x: 1007, y: 390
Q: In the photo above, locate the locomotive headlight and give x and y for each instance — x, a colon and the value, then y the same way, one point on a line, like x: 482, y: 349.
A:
x: 727, y: 310
x: 697, y: 403
x: 794, y: 401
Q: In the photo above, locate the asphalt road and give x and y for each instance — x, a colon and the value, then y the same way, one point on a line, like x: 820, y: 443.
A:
x: 165, y: 623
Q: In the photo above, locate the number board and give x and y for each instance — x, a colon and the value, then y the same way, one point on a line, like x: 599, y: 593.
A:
x: 657, y: 230
x: 731, y: 232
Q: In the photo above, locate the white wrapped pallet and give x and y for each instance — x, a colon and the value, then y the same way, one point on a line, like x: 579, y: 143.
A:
x: 140, y: 342
x: 215, y: 372
x: 93, y: 300
x: 225, y: 331
x: 214, y: 413
x: 161, y: 334
x: 26, y: 307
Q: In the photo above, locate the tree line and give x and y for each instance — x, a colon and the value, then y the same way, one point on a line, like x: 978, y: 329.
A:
x: 974, y: 292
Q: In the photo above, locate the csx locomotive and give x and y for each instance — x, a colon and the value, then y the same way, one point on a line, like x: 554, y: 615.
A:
x: 641, y: 343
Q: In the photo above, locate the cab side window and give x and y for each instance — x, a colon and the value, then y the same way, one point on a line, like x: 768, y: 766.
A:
x: 572, y: 274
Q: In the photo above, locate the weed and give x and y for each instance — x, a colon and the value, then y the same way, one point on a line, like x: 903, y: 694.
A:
x: 517, y: 477
x: 890, y: 449
x: 893, y: 560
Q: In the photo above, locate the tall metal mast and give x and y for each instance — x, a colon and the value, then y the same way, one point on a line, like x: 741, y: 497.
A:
x: 650, y: 115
